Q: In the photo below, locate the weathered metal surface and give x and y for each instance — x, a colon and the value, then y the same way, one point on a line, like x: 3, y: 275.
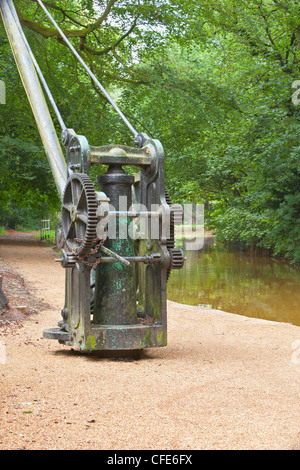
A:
x: 120, y: 303
x: 127, y: 337
x: 57, y: 333
x: 120, y: 155
x: 115, y: 292
x: 112, y: 338
x: 78, y: 151
x: 115, y: 286
x: 79, y: 213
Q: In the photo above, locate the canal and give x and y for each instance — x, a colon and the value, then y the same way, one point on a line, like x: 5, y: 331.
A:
x: 246, y: 284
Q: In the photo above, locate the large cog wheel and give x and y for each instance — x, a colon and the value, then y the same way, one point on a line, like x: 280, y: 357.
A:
x: 79, y: 214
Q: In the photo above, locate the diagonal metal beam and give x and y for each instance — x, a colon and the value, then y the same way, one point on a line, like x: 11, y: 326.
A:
x: 35, y: 94
x: 88, y: 70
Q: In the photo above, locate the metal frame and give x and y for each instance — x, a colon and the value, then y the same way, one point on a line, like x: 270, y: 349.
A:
x: 150, y: 261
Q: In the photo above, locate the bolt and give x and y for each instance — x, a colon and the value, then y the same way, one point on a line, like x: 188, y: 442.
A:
x: 138, y: 141
x: 65, y: 136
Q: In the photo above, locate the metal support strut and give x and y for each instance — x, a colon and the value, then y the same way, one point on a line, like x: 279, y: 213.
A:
x: 88, y: 70
x: 26, y: 67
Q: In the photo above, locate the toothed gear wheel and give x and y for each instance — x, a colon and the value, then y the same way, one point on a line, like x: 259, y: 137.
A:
x: 79, y: 214
x: 177, y: 258
x: 171, y: 240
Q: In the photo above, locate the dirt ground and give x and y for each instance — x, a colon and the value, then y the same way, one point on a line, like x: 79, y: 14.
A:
x: 223, y: 382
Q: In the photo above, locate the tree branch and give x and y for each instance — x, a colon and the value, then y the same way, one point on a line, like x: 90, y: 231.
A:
x: 70, y: 33
x: 110, y: 48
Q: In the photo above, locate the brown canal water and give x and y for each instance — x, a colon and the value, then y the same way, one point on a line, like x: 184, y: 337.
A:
x: 246, y: 284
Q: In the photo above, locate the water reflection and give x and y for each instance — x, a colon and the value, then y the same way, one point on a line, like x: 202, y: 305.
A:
x: 252, y: 285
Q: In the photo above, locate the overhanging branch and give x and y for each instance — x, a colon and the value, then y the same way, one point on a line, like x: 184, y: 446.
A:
x: 70, y: 33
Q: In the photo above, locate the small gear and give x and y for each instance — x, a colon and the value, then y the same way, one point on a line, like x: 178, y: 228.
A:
x: 171, y: 239
x: 79, y: 214
x: 177, y: 258
x: 68, y: 260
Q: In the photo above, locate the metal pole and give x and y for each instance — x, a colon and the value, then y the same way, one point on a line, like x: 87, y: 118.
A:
x: 35, y: 95
x: 131, y: 128
x: 40, y: 74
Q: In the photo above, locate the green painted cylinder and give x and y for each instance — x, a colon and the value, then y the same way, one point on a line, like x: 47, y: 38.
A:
x: 115, y: 285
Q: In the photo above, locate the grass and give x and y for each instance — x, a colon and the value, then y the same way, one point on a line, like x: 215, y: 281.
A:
x: 50, y: 235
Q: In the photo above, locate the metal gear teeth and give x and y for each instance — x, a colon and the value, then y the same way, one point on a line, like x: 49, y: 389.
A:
x: 92, y: 205
x: 90, y: 233
x: 177, y: 255
x: 168, y: 199
x: 171, y: 240
x: 177, y: 214
x: 177, y: 258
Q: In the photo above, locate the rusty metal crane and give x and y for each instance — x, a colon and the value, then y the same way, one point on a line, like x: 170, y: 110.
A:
x: 120, y: 245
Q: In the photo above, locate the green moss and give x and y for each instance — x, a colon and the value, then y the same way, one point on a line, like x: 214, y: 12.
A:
x: 90, y: 342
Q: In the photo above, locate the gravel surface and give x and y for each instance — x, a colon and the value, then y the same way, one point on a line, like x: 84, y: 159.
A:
x: 223, y: 382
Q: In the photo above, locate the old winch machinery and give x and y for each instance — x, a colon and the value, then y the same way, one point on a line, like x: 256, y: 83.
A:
x: 119, y: 235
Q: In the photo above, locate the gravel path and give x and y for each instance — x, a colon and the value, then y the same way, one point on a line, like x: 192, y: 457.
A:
x: 223, y: 382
